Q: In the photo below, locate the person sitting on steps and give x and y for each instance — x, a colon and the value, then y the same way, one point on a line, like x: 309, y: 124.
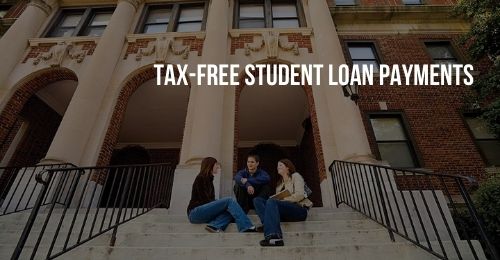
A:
x: 250, y: 183
x: 203, y: 208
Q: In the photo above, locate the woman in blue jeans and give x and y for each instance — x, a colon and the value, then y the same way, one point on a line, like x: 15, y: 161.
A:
x: 288, y: 209
x: 203, y: 208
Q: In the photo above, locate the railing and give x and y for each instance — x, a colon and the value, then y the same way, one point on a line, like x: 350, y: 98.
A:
x: 19, y: 189
x: 87, y: 202
x: 417, y: 210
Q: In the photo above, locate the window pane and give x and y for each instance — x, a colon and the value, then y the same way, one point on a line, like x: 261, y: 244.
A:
x: 286, y: 23
x: 189, y: 27
x: 71, y: 20
x: 62, y: 32
x: 388, y: 129
x: 159, y: 16
x: 440, y: 51
x: 491, y: 150
x: 397, y: 154
x: 252, y: 24
x: 479, y: 128
x: 412, y: 2
x: 361, y: 53
x: 94, y: 31
x: 155, y: 28
x: 251, y: 11
x: 345, y: 2
x: 191, y: 14
x: 101, y: 19
x: 368, y: 63
x: 284, y: 10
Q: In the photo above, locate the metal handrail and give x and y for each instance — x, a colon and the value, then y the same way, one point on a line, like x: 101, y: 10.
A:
x: 417, y: 213
x: 19, y: 189
x: 93, y: 201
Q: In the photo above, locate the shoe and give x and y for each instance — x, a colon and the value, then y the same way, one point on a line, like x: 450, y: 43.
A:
x: 260, y: 228
x: 272, y: 242
x: 253, y: 229
x: 213, y: 230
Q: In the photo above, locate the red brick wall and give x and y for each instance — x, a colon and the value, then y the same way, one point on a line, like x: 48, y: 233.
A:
x: 16, y: 10
x: 434, y: 113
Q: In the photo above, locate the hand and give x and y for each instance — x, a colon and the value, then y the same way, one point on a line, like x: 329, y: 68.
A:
x: 250, y: 190
x: 244, y: 180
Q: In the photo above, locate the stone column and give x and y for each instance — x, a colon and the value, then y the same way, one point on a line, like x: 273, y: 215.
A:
x: 206, y: 105
x: 350, y: 140
x: 75, y: 130
x: 207, y: 110
x: 14, y: 42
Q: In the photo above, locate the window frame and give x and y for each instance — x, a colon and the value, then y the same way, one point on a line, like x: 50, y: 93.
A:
x: 268, y: 12
x: 410, y: 141
x: 87, y: 15
x: 371, y: 43
x: 174, y: 16
x: 451, y: 48
x: 420, y: 2
x: 475, y: 114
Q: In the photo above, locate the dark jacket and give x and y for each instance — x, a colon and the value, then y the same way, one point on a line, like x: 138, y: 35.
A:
x: 202, y: 193
x: 260, y: 177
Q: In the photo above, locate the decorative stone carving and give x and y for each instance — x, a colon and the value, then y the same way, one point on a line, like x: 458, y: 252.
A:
x: 54, y: 56
x: 57, y: 53
x: 161, y: 48
x: 273, y: 43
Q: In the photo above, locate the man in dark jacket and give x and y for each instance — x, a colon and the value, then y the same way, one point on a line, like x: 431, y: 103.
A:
x: 250, y: 183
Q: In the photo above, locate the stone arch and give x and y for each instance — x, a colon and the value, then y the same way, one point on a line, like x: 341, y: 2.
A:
x: 22, y: 92
x: 312, y: 111
x: 131, y: 83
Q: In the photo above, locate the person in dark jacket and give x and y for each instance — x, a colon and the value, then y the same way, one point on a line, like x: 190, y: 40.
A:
x: 203, y: 208
x: 250, y: 183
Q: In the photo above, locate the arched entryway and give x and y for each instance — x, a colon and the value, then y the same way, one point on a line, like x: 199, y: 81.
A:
x: 277, y: 122
x: 147, y: 125
x: 31, y: 117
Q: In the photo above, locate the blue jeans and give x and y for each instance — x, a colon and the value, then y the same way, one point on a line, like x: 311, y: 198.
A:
x: 220, y: 213
x: 272, y: 211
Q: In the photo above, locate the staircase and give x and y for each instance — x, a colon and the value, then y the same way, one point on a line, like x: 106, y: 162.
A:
x: 339, y: 233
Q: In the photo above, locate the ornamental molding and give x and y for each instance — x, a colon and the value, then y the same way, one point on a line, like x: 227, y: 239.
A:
x: 42, y: 4
x: 273, y: 43
x: 58, y: 52
x: 161, y: 47
x: 134, y: 3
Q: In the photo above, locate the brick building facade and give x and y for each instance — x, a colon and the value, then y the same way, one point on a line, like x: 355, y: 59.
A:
x: 96, y: 63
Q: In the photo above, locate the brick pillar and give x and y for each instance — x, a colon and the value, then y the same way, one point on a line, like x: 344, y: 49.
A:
x: 15, y: 41
x: 76, y: 127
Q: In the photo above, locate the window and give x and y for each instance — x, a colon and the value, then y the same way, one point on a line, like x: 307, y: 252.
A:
x: 179, y: 17
x: 485, y: 140
x: 364, y: 53
x: 268, y: 14
x: 441, y: 52
x: 345, y: 2
x: 412, y: 2
x: 392, y: 140
x: 3, y: 10
x: 81, y: 22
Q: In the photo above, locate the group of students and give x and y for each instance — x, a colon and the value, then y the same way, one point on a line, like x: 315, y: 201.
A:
x: 252, y: 190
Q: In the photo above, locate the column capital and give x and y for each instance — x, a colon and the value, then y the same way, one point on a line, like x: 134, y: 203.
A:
x: 134, y: 3
x: 45, y: 5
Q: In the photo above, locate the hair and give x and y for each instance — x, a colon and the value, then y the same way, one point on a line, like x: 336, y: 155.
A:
x: 207, y: 166
x: 255, y: 156
x: 288, y: 164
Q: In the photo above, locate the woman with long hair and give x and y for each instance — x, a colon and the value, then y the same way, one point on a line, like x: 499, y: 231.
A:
x: 203, y: 208
x: 291, y: 208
